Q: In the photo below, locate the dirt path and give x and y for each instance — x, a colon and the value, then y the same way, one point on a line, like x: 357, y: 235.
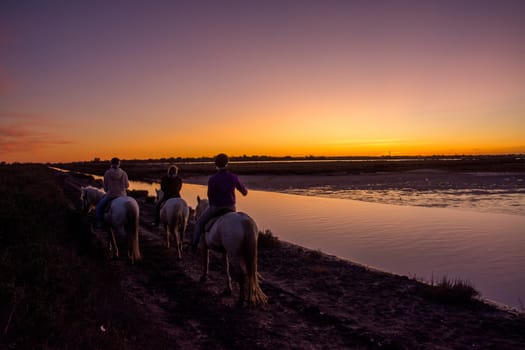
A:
x: 315, y: 302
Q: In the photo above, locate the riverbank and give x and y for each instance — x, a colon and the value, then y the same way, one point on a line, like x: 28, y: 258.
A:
x: 416, y: 180
x: 316, y: 301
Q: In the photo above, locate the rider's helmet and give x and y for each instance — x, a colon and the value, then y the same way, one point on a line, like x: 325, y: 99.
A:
x: 221, y: 160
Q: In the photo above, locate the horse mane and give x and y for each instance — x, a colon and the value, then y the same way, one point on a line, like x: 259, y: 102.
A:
x: 91, y: 188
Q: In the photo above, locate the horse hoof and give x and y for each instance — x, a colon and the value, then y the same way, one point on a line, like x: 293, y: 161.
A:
x: 203, y: 279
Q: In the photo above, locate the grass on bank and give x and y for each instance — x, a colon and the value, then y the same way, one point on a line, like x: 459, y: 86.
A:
x: 450, y: 291
x: 55, y: 291
x: 266, y: 240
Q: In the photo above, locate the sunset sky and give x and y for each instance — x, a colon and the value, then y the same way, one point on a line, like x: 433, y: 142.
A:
x: 152, y: 79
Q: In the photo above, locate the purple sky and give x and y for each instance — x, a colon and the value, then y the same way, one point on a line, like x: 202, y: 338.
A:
x: 141, y: 79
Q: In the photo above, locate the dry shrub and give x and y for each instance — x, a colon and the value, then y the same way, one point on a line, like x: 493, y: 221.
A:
x: 268, y: 240
x: 450, y: 291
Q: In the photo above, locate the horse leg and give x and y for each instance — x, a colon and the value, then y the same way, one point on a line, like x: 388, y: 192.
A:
x: 228, y: 290
x: 130, y: 247
x: 176, y: 238
x: 181, y: 235
x: 109, y: 244
x: 179, y: 241
x: 183, y: 227
x: 113, y: 244
x: 241, y: 290
x: 168, y: 230
x: 239, y: 269
x: 205, y: 259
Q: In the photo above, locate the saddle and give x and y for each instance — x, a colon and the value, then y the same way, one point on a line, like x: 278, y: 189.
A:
x: 108, y: 205
x: 218, y: 214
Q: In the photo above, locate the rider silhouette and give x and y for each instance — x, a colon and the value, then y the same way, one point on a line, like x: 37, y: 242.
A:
x: 171, y: 185
x: 115, y: 185
x: 221, y: 196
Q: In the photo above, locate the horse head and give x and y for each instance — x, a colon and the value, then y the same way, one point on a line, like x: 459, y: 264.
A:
x: 202, y: 204
x: 89, y: 196
x: 83, y: 199
x: 159, y: 195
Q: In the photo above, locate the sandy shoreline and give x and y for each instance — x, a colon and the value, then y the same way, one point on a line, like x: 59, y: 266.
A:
x: 488, y: 192
x: 317, y: 301
x: 424, y: 179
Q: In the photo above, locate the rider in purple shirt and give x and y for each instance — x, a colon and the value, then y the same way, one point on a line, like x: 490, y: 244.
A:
x: 221, y: 196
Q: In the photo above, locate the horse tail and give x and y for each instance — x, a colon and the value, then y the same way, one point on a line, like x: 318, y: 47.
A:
x: 255, y: 295
x: 183, y: 219
x: 132, y: 212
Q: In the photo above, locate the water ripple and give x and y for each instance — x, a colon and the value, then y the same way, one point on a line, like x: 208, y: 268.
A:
x: 499, y: 201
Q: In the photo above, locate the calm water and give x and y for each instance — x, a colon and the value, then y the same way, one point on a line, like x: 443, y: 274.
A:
x: 485, y: 248
x: 482, y: 200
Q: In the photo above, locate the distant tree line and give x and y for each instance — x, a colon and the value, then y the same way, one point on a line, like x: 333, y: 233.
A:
x: 258, y: 158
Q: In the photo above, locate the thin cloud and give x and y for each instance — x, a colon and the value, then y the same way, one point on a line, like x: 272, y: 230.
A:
x: 31, y: 120
x: 28, y: 145
x: 18, y: 137
x: 366, y: 142
x: 21, y: 116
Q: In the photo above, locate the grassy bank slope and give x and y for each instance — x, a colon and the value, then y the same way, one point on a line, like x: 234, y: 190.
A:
x: 54, y: 290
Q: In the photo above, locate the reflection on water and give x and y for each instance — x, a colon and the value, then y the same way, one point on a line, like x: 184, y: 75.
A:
x: 486, y: 249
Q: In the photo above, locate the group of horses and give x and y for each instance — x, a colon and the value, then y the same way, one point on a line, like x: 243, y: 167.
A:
x: 234, y: 235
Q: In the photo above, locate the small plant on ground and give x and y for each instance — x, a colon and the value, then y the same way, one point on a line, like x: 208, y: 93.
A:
x: 268, y: 240
x: 450, y: 291
x: 315, y: 254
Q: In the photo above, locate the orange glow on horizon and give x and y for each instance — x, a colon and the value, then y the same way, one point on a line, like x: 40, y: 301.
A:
x: 345, y: 79
x: 373, y: 148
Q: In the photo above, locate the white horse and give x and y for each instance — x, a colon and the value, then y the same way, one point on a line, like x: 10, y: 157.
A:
x: 123, y: 218
x: 174, y: 216
x: 235, y: 236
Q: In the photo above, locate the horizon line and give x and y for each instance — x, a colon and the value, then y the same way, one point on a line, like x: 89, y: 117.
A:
x: 256, y: 158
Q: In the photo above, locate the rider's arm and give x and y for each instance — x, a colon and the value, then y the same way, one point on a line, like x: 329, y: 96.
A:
x: 240, y: 187
x: 126, y: 182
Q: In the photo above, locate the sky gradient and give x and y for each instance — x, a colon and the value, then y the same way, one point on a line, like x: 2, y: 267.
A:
x: 152, y: 79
